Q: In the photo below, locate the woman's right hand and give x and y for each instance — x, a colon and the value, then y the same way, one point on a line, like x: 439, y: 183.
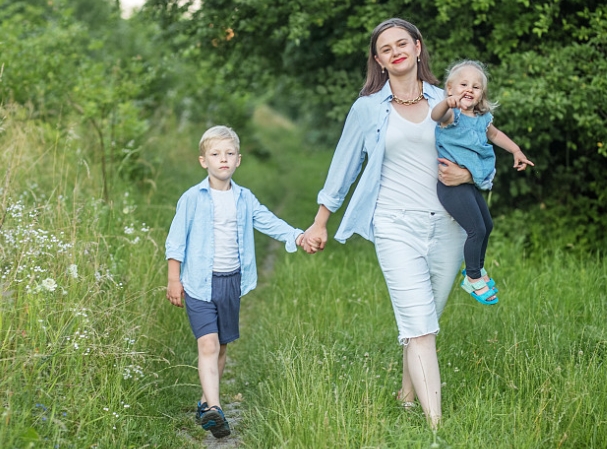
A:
x: 315, y: 238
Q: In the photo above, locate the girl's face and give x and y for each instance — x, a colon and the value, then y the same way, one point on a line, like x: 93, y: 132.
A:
x: 397, y: 51
x: 467, y: 85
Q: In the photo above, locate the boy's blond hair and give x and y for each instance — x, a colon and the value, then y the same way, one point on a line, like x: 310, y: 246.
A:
x: 484, y: 105
x: 215, y: 133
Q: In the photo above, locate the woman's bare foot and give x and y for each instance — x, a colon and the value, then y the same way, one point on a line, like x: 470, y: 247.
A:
x: 407, y: 401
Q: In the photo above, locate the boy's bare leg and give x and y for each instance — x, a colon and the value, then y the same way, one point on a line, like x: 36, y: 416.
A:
x: 221, y: 363
x: 210, y: 367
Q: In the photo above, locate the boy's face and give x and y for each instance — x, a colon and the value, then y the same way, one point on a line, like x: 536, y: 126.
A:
x: 220, y: 160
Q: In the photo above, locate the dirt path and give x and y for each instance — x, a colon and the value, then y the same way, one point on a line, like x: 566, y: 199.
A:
x: 232, y: 406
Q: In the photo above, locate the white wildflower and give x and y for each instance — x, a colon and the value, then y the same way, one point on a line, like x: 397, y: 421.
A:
x: 73, y: 271
x: 49, y: 284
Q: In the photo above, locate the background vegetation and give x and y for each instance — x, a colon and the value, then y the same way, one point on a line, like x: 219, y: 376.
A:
x: 99, y: 122
x: 546, y: 60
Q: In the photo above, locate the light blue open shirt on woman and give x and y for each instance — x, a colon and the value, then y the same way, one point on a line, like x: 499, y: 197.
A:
x: 364, y: 133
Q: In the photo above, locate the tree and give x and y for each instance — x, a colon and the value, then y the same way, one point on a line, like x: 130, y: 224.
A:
x: 547, y: 61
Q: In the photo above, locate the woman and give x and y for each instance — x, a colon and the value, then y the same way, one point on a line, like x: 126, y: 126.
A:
x: 395, y: 205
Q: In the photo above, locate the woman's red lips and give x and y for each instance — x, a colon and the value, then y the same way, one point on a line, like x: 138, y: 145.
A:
x: 398, y: 61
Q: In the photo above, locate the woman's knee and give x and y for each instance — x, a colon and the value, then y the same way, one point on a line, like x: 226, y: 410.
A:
x: 407, y: 342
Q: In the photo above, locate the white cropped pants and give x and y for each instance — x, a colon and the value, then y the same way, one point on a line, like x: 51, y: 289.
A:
x: 420, y: 253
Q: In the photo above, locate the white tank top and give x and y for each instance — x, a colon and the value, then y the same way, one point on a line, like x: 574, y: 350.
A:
x: 225, y: 230
x: 410, y: 167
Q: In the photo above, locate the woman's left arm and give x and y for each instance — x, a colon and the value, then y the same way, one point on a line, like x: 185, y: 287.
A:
x: 451, y: 174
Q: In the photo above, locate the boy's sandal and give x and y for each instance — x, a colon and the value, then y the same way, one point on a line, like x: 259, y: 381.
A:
x: 200, y: 409
x: 490, y: 282
x: 483, y: 298
x: 214, y: 420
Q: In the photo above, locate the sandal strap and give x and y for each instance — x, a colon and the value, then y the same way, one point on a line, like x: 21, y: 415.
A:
x: 478, y: 284
x: 485, y: 296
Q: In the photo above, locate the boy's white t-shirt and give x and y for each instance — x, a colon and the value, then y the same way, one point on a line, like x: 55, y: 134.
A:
x: 225, y: 229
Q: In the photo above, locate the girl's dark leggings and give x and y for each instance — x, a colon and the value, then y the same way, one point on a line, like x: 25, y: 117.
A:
x: 467, y: 206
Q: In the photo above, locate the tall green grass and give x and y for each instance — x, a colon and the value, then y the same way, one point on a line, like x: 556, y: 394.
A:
x: 92, y: 354
x: 320, y: 363
x: 83, y: 340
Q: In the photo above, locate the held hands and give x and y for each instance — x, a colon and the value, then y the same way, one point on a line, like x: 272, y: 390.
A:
x: 175, y: 293
x: 521, y: 161
x: 314, y: 239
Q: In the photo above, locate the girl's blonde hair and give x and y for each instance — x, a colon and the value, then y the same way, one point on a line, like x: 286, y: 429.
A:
x: 484, y: 105
x: 218, y: 132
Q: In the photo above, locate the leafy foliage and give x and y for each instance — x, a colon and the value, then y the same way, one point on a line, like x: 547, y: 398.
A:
x: 63, y: 64
x: 547, y: 61
x: 214, y: 64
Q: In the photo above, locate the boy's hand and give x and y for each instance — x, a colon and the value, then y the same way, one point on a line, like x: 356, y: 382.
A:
x: 314, y: 239
x: 175, y: 293
x: 521, y: 161
x: 299, y: 240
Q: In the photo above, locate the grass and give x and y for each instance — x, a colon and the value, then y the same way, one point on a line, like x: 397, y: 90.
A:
x: 527, y: 373
x: 92, y: 354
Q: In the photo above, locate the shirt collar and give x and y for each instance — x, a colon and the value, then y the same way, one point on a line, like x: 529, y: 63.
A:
x: 386, y: 93
x: 204, y: 185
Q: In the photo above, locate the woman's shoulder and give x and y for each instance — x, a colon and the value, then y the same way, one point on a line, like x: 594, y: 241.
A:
x: 367, y: 100
x: 368, y: 104
x: 434, y: 91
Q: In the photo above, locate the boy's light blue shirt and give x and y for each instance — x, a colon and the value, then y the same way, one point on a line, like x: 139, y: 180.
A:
x: 364, y: 135
x: 191, y: 237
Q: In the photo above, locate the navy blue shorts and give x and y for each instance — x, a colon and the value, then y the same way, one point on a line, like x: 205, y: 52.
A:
x: 220, y: 315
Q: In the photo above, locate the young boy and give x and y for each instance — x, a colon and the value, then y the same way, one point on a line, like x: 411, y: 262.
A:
x: 211, y: 257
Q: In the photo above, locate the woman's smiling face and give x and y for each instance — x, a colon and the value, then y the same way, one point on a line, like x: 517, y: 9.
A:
x: 397, y: 51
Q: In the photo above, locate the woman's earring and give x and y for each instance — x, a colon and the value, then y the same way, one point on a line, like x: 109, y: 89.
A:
x: 383, y: 70
x: 418, y: 59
